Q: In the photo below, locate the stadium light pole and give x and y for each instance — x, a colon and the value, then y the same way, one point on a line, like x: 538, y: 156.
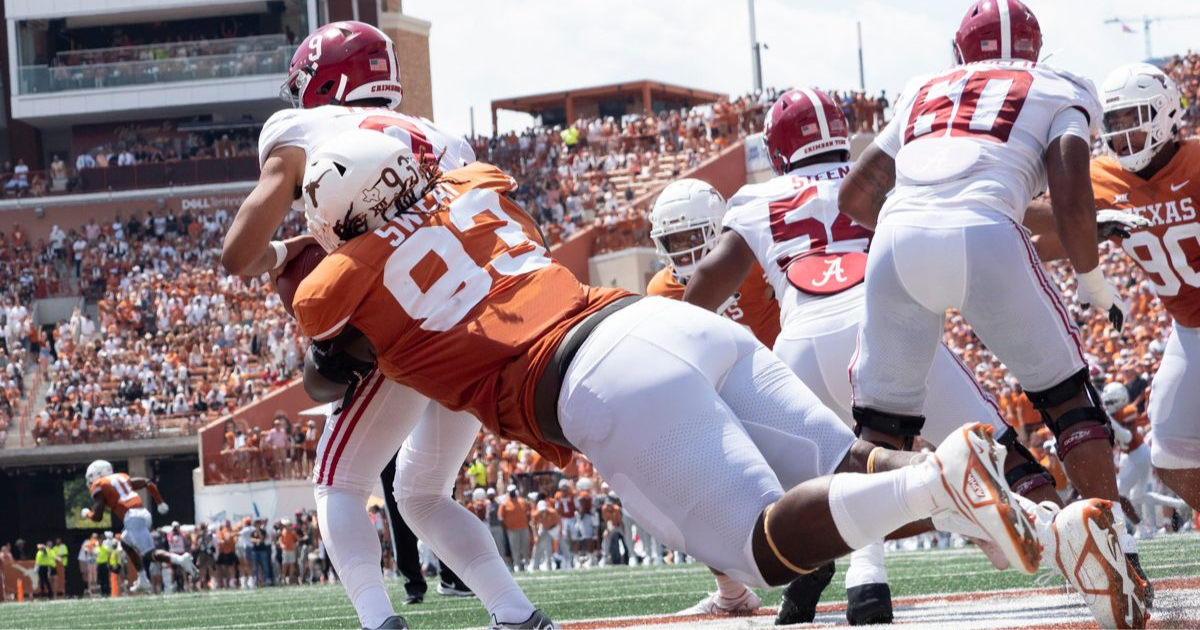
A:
x: 755, y: 51
x: 862, y: 80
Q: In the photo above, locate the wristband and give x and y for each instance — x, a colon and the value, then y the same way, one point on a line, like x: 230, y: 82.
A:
x: 280, y: 253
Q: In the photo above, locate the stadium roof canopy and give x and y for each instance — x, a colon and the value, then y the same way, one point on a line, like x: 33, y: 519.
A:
x: 616, y: 100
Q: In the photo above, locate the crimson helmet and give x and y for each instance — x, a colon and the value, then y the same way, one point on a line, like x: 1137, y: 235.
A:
x: 801, y: 124
x: 342, y: 62
x: 998, y: 29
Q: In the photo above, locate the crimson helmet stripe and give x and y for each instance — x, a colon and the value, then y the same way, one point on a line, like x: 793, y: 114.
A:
x: 1005, y: 29
x: 819, y: 107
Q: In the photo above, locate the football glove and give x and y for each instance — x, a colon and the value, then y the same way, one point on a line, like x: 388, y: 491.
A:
x: 1095, y: 290
x: 1118, y: 223
x: 86, y: 514
x: 163, y: 508
x: 1122, y: 435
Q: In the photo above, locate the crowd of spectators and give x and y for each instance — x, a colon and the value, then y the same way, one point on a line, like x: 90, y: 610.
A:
x: 285, y: 451
x: 172, y: 341
x: 1185, y: 71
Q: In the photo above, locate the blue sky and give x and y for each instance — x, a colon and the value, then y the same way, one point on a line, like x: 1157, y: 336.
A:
x: 488, y: 49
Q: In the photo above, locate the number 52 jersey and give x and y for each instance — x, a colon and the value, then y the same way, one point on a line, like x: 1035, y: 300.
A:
x: 970, y: 141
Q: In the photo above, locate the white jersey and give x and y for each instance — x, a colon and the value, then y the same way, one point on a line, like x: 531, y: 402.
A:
x: 969, y: 142
x: 809, y: 250
x: 307, y: 128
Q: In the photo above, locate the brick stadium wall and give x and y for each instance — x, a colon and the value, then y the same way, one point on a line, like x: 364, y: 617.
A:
x: 412, y: 47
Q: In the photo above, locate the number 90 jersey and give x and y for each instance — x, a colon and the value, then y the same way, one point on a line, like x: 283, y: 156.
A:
x: 459, y: 299
x: 973, y: 138
x: 1169, y: 249
x: 809, y: 250
x: 117, y: 493
x: 306, y: 128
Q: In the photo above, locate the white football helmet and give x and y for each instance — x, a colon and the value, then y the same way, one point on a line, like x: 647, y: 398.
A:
x: 1139, y: 98
x: 97, y: 470
x: 686, y: 206
x: 584, y: 484
x: 1114, y: 397
x: 357, y: 182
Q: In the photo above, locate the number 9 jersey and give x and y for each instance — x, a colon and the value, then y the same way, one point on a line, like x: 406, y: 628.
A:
x: 460, y: 300
x: 972, y: 139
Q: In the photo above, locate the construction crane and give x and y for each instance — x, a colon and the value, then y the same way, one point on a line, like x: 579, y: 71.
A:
x: 1146, y: 21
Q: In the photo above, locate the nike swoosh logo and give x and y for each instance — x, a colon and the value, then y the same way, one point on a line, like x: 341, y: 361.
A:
x: 1176, y: 187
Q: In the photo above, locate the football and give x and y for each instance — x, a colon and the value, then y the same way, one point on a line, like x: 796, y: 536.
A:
x: 296, y: 270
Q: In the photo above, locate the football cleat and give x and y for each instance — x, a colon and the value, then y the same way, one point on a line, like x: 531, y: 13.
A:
x: 537, y: 621
x: 714, y: 604
x: 800, y: 598
x: 450, y: 590
x: 395, y: 622
x: 1135, y: 561
x: 1082, y: 543
x: 142, y: 585
x: 189, y: 566
x: 972, y: 475
x: 869, y: 604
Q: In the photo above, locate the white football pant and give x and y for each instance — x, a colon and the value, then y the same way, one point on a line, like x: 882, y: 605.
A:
x: 1175, y: 403
x: 357, y: 442
x: 711, y: 431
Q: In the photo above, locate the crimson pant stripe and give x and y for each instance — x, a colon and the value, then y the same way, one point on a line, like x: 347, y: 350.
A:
x: 339, y: 426
x: 1051, y: 294
x: 982, y: 392
x: 366, y: 402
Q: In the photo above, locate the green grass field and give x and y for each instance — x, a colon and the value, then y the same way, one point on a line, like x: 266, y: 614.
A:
x: 565, y: 595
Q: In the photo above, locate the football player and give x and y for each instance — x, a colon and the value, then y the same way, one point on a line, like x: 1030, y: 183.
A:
x: 1153, y: 174
x: 1134, y: 474
x: 454, y: 294
x: 945, y: 186
x: 685, y: 224
x: 817, y: 258
x: 118, y: 492
x: 345, y: 77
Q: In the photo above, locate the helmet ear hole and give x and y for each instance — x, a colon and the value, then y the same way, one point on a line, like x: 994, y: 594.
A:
x: 326, y: 88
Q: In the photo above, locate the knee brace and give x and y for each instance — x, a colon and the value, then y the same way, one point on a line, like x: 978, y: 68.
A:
x: 895, y: 424
x: 1061, y: 393
x: 1027, y: 475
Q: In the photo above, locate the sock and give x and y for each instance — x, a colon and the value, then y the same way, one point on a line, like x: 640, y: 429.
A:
x: 353, y: 548
x: 868, y: 507
x: 866, y: 566
x: 729, y: 588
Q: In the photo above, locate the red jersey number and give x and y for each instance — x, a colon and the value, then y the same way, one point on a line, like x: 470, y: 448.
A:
x: 984, y: 105
x: 421, y: 146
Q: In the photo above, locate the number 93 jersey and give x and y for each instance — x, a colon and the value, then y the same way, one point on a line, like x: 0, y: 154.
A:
x: 117, y: 493
x: 971, y: 140
x: 1169, y: 249
x: 809, y: 250
x: 460, y: 300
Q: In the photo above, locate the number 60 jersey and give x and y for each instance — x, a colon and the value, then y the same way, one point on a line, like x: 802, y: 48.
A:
x: 460, y: 300
x: 971, y: 139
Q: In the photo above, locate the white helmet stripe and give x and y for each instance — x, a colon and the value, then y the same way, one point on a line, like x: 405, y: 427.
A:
x: 819, y: 107
x: 393, y: 61
x: 1005, y: 30
x: 341, y: 91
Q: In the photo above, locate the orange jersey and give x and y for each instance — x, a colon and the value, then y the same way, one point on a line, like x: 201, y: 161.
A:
x: 1132, y: 420
x: 754, y: 306
x: 1169, y: 250
x: 118, y: 494
x: 459, y: 300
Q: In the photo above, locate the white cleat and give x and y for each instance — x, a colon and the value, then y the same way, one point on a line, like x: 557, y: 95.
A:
x: 971, y: 466
x: 142, y: 585
x: 1082, y: 544
x: 189, y: 567
x: 714, y: 604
